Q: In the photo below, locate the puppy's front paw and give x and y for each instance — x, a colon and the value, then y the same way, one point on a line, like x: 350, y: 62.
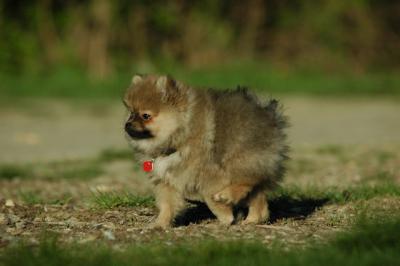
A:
x: 253, y: 221
x: 226, y: 220
x: 159, y: 225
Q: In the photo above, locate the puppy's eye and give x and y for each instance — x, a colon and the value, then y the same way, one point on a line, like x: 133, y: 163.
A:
x: 146, y: 117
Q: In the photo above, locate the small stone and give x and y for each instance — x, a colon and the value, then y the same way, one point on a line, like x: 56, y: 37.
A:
x: 49, y: 219
x: 9, y: 203
x: 37, y: 220
x: 89, y: 238
x: 108, y: 225
x: 74, y: 222
x: 109, y: 235
x: 20, y: 225
x: 97, y: 225
x: 3, y: 219
x: 33, y: 241
x: 112, y: 214
x: 101, y: 188
x: 12, y: 218
x: 27, y: 233
x: 14, y: 231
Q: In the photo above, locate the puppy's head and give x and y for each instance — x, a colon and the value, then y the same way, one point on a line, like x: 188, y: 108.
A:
x: 155, y: 105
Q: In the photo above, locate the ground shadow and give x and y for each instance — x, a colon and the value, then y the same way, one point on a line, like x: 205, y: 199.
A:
x: 287, y: 207
x: 280, y: 208
x: 196, y: 213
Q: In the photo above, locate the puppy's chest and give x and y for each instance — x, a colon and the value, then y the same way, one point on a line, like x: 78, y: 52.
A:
x: 175, y: 171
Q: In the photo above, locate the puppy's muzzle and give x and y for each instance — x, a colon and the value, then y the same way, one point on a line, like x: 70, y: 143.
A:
x: 137, y: 134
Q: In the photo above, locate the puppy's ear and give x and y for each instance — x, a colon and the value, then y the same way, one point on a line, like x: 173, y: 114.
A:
x: 136, y: 79
x: 169, y: 88
x: 164, y: 83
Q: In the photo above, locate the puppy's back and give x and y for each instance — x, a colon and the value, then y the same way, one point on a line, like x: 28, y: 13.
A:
x: 246, y: 127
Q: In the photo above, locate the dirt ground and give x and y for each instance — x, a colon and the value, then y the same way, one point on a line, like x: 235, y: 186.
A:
x: 334, y: 143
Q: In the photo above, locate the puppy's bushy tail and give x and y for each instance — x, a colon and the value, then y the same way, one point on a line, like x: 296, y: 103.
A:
x: 273, y: 107
x: 275, y: 111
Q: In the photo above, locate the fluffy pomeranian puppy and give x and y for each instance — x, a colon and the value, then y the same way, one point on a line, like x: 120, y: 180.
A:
x: 223, y: 148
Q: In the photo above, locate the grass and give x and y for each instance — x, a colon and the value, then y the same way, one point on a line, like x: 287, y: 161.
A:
x: 109, y: 155
x: 11, y: 171
x: 372, y: 184
x: 374, y: 240
x: 72, y: 84
x: 55, y: 170
x: 284, y: 196
x: 32, y: 198
x: 120, y: 199
x: 266, y: 79
x: 384, y: 156
x: 67, y: 169
x: 368, y: 243
x: 330, y: 149
x: 74, y: 169
x: 337, y: 195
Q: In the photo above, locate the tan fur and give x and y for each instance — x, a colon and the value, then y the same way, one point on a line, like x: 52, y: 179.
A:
x: 258, y: 209
x: 233, y: 193
x: 221, y: 148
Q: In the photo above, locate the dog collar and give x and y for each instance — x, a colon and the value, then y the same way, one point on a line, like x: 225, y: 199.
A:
x: 148, y: 165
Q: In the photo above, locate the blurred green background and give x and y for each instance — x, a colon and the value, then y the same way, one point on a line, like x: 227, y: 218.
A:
x: 54, y: 48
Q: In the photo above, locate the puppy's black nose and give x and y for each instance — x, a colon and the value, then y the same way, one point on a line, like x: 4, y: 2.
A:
x: 143, y: 134
x: 128, y: 126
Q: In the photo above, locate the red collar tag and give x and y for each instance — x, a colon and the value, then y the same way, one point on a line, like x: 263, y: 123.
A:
x: 148, y: 166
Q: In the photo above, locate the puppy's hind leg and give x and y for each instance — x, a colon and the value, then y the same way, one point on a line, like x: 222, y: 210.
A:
x: 258, y: 209
x: 223, y: 212
x: 232, y: 194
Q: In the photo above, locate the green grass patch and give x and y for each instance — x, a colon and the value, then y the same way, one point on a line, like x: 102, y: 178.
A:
x: 380, y: 232
x: 380, y: 176
x: 75, y: 169
x: 264, y: 78
x: 330, y: 150
x: 384, y: 156
x: 73, y: 84
x: 109, y: 155
x: 284, y: 196
x: 11, y: 171
x: 67, y: 169
x: 337, y: 195
x: 369, y: 243
x: 30, y: 197
x: 120, y: 199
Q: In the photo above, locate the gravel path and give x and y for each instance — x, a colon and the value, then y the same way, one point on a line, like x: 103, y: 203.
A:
x: 50, y: 130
